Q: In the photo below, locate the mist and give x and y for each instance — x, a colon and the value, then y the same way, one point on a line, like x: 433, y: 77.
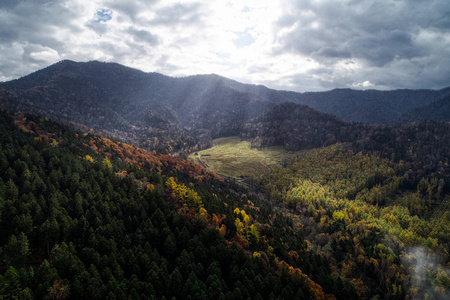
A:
x: 429, y: 274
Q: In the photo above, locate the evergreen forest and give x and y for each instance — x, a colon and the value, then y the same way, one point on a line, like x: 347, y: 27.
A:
x: 83, y: 217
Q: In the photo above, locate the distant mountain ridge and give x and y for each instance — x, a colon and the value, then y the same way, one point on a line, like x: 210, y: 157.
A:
x: 438, y: 110
x: 369, y: 106
x: 168, y: 114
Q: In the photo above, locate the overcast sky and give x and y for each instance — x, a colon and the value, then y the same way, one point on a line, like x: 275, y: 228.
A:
x: 293, y: 45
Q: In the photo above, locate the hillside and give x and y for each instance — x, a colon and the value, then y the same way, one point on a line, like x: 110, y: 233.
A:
x: 173, y: 115
x: 94, y: 218
x: 86, y: 217
x: 298, y: 127
x: 148, y: 109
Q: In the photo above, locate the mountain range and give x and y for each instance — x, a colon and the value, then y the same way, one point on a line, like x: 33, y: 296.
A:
x: 169, y: 114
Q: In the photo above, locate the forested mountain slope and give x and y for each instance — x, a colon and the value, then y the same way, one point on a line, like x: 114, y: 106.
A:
x: 169, y: 115
x: 85, y: 217
x: 298, y: 127
x: 149, y: 109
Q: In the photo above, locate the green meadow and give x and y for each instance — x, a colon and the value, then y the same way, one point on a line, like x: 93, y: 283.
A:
x: 232, y: 157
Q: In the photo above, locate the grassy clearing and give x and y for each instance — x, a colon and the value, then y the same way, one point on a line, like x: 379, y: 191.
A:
x: 235, y: 158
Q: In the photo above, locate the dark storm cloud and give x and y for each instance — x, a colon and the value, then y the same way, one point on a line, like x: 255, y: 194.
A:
x: 9, y: 4
x: 36, y: 22
x: 323, y: 33
x: 379, y: 34
x: 7, y: 35
x: 385, y: 46
x: 35, y: 33
x: 24, y: 22
x: 331, y: 52
x: 27, y: 34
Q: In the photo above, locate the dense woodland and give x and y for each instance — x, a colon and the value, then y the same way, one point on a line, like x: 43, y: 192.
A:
x: 363, y: 190
x: 85, y: 217
x: 378, y: 227
x: 298, y: 127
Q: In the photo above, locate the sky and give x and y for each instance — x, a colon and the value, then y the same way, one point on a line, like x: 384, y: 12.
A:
x: 298, y: 45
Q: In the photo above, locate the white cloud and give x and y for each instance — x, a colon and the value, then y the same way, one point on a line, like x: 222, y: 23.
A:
x: 298, y: 45
x: 363, y: 85
x: 45, y: 55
